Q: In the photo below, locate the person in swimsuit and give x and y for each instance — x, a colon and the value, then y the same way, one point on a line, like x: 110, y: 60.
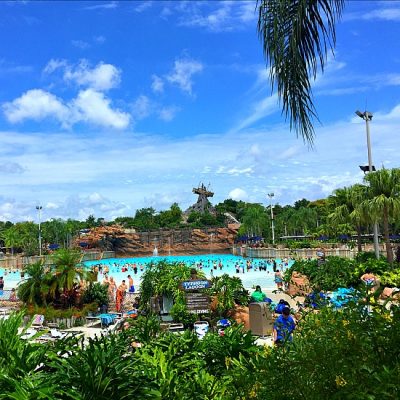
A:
x: 120, y: 296
x: 370, y: 280
x: 278, y: 279
x: 131, y: 286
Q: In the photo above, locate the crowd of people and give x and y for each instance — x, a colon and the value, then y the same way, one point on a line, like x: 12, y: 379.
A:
x: 117, y: 291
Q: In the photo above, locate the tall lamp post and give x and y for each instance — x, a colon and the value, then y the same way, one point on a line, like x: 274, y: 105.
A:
x: 39, y: 209
x: 367, y: 117
x: 271, y: 195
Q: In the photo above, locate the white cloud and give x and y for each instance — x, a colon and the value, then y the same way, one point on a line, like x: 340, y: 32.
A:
x: 166, y: 12
x: 80, y: 44
x: 95, y: 199
x: 255, y: 150
x: 51, y: 206
x: 35, y: 104
x: 144, y: 5
x: 99, y: 39
x: 53, y: 65
x: 130, y: 172
x: 218, y: 16
x: 101, y: 77
x: 383, y: 14
x: 93, y: 107
x: 106, y: 6
x: 260, y: 110
x: 234, y: 171
x: 238, y: 194
x: 12, y: 68
x: 157, y: 84
x: 167, y: 114
x: 90, y: 106
x: 182, y: 73
x: 142, y: 107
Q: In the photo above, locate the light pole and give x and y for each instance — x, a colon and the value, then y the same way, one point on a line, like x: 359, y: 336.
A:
x: 271, y: 195
x: 367, y: 117
x: 39, y: 209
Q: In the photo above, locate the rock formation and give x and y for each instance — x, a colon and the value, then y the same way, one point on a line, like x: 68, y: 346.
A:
x: 299, y: 285
x: 126, y: 242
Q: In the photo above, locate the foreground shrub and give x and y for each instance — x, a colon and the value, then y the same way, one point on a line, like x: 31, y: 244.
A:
x: 351, y: 353
x: 347, y: 354
x: 337, y: 272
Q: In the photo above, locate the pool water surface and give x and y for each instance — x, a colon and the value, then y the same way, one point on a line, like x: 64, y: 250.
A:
x: 210, y: 264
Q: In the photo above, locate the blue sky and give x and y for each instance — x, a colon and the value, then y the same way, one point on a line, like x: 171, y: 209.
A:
x: 107, y: 107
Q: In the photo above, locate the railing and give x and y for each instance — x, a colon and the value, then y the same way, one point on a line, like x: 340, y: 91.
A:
x: 286, y: 253
x: 108, y: 254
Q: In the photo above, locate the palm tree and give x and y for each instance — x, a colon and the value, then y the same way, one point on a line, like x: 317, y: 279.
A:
x: 68, y: 272
x: 347, y: 203
x: 296, y: 35
x: 34, y: 289
x: 384, y: 200
x: 11, y: 238
x: 254, y: 220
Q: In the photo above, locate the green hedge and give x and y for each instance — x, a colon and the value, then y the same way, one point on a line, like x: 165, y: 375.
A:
x: 338, y: 272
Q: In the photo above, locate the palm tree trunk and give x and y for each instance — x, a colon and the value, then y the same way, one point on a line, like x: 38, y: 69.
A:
x: 359, y: 244
x: 389, y: 252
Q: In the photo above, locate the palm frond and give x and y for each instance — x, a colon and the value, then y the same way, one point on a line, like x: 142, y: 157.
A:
x: 296, y: 35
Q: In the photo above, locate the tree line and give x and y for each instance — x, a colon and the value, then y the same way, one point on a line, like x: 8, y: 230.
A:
x: 348, y: 212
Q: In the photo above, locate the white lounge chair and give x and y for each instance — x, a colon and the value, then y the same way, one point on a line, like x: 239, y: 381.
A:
x: 37, y: 321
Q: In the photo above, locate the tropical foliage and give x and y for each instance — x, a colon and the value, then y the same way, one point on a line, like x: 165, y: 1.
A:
x: 331, y: 353
x: 97, y: 293
x: 163, y: 279
x: 54, y: 284
x: 337, y: 272
x: 296, y: 36
x: 34, y: 289
x: 347, y: 203
x: 383, y: 202
x: 227, y: 291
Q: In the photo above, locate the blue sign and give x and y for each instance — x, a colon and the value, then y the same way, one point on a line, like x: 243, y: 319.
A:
x: 196, y: 284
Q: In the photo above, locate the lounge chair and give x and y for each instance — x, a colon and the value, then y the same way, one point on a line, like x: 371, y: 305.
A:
x: 107, y: 319
x: 37, y: 321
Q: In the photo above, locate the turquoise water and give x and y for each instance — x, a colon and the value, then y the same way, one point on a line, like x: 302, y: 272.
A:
x: 11, y: 278
x: 205, y: 262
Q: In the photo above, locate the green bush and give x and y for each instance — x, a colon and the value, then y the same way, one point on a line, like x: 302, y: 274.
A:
x: 227, y: 292
x: 336, y: 272
x: 349, y: 354
x: 96, y: 293
x: 391, y: 278
x: 353, y: 353
x: 365, y: 256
